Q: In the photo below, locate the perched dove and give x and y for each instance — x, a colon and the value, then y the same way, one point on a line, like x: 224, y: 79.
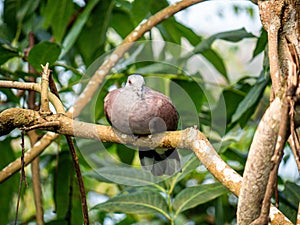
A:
x: 138, y: 110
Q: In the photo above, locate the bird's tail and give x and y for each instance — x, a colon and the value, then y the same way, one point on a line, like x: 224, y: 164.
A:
x: 160, y: 161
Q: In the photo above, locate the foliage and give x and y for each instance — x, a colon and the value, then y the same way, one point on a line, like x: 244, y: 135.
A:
x: 75, y: 39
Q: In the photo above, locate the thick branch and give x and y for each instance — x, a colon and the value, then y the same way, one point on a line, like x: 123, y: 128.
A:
x: 258, y: 166
x: 281, y: 20
x: 270, y: 14
x: 33, y: 87
x: 188, y: 139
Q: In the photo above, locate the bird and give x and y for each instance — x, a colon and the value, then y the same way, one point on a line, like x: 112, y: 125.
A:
x: 137, y: 110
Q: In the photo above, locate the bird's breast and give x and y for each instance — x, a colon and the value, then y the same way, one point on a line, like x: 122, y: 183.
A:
x: 142, y: 116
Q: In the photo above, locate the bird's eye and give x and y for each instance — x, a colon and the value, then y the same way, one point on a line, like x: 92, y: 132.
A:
x: 129, y: 82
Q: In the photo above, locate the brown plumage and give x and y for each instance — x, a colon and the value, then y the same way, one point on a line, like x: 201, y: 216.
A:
x: 138, y: 110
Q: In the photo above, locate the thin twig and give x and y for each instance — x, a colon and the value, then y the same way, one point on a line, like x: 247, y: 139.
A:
x: 294, y: 144
x: 22, y: 177
x: 33, y: 137
x: 34, y: 87
x: 36, y: 181
x: 80, y: 180
x: 76, y: 165
x: 45, y: 109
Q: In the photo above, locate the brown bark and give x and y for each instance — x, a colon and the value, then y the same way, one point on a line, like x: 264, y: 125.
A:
x: 281, y: 20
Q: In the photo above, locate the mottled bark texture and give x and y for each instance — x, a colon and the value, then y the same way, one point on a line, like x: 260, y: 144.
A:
x: 281, y: 20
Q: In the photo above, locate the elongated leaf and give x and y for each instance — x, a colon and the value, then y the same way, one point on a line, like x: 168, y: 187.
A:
x: 251, y: 98
x: 227, y: 104
x: 95, y: 31
x: 6, y: 54
x: 193, y: 196
x: 73, y: 34
x: 141, y: 202
x: 125, y: 175
x: 140, y: 10
x: 170, y: 29
x: 58, y: 13
x: 10, y: 187
x: 261, y: 43
x: 232, y: 36
x: 76, y: 211
x: 63, y: 181
x: 291, y: 193
x: 289, y: 200
x: 214, y: 58
x: 10, y: 9
x: 122, y: 22
x: 188, y: 98
x: 42, y: 53
x: 27, y: 8
x: 125, y: 154
x: 190, y: 162
x: 188, y: 33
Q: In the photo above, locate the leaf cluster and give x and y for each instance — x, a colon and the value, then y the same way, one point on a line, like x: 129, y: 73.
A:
x: 75, y: 40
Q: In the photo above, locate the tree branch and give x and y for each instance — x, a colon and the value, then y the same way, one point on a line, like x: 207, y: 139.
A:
x: 44, y: 90
x: 98, y: 77
x: 281, y: 20
x: 187, y: 139
x: 34, y: 87
x: 258, y: 166
x: 33, y: 137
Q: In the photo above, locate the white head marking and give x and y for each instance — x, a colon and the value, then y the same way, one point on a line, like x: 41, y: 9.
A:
x: 136, y: 82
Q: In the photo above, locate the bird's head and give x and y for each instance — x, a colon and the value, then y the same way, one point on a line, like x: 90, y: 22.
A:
x: 136, y: 82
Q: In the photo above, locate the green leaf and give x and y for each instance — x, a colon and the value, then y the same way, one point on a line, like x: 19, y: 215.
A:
x: 121, y: 22
x: 214, y: 58
x: 10, y: 9
x: 125, y: 175
x: 156, y: 68
x: 289, y: 200
x: 57, y: 222
x: 249, y: 101
x: 190, y: 162
x: 42, y: 53
x: 261, y: 43
x: 170, y: 29
x: 10, y: 95
x: 188, y: 33
x: 76, y: 213
x: 9, y: 188
x: 58, y: 13
x: 140, y: 202
x: 7, y: 53
x: 63, y: 181
x: 27, y: 9
x: 291, y: 193
x: 95, y: 31
x: 232, y: 36
x: 227, y: 104
x: 125, y: 154
x: 140, y: 10
x: 188, y: 97
x: 6, y: 34
x: 73, y: 34
x: 192, y: 196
